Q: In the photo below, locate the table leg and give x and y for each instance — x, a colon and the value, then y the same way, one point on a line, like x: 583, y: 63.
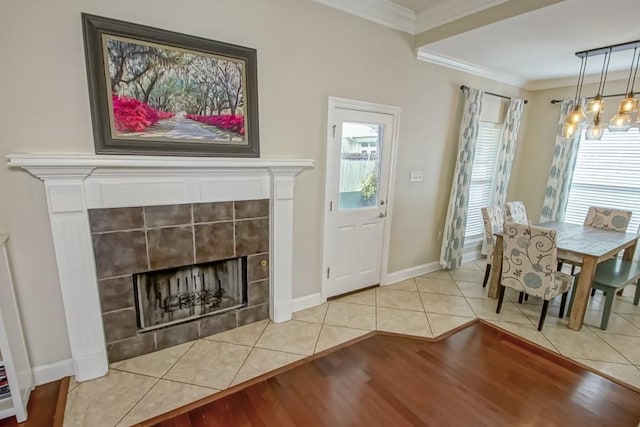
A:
x: 629, y: 252
x: 582, y: 291
x: 628, y: 256
x: 496, y: 268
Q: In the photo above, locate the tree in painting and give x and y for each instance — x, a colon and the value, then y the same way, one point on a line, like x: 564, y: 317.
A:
x: 169, y: 93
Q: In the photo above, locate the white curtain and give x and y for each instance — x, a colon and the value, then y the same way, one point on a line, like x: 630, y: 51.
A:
x: 456, y: 222
x: 506, y: 152
x: 565, y: 152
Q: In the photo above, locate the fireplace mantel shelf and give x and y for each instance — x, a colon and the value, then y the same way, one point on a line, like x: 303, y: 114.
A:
x: 77, y: 183
x: 50, y: 165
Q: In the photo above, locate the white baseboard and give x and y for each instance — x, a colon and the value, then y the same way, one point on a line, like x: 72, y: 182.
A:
x: 52, y: 371
x: 397, y: 276
x: 472, y: 250
x: 471, y: 256
x: 91, y: 366
x: 408, y: 273
x: 306, y: 302
x: 281, y: 312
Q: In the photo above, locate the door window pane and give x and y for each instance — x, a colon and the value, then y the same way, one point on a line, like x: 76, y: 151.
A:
x: 359, y: 165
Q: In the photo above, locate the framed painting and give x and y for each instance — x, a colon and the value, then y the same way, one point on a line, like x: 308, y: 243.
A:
x: 157, y: 92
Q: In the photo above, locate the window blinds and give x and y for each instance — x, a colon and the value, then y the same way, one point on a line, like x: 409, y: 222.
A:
x: 482, y: 173
x: 607, y: 174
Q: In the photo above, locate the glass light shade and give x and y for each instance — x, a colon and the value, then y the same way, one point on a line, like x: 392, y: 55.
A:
x: 596, y: 104
x: 621, y: 122
x: 569, y: 130
x: 595, y: 130
x: 629, y: 104
x: 576, y: 117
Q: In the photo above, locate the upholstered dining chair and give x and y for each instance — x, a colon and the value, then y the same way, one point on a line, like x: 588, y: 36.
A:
x: 529, y: 264
x: 608, y: 218
x: 493, y: 218
x: 515, y: 212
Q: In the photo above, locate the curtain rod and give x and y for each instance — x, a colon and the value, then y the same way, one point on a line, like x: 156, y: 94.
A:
x: 613, y: 95
x: 465, y: 87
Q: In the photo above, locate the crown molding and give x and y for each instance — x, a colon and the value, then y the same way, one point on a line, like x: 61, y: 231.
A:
x: 510, y: 79
x: 383, y: 12
x: 571, y: 81
x: 442, y: 13
x: 488, y: 73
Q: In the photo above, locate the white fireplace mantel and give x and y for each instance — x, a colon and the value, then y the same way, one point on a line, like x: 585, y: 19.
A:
x: 75, y: 183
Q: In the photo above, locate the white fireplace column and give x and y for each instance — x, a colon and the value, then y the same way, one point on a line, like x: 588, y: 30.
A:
x: 281, y: 225
x: 75, y: 183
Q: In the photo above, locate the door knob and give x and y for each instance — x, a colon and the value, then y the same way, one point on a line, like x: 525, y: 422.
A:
x: 382, y: 214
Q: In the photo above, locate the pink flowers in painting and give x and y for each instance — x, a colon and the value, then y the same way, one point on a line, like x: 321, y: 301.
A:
x: 230, y: 122
x: 131, y: 115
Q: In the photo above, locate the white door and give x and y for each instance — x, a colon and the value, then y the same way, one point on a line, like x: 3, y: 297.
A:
x: 358, y: 169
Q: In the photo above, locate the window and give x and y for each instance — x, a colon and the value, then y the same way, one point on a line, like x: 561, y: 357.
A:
x: 484, y: 166
x: 607, y: 173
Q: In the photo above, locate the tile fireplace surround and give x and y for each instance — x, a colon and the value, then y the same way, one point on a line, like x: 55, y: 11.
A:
x: 128, y: 241
x: 77, y: 183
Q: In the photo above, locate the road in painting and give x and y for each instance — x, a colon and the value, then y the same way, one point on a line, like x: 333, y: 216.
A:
x: 172, y: 94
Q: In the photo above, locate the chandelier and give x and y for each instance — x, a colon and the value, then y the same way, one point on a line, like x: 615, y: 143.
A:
x: 590, y: 119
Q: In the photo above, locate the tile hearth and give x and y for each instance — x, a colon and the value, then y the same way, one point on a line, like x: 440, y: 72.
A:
x: 145, y: 386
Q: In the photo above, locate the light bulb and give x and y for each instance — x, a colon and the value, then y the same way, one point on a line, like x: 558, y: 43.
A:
x: 594, y: 131
x: 568, y: 130
x: 629, y: 104
x: 621, y: 122
x: 576, y: 117
x: 596, y: 104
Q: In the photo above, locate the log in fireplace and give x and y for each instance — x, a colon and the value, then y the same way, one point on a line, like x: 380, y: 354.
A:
x: 177, y: 295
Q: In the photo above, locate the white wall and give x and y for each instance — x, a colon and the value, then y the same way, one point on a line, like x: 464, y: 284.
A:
x: 306, y: 52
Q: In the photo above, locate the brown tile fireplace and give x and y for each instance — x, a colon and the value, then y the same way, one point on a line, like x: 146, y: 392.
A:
x: 171, y: 274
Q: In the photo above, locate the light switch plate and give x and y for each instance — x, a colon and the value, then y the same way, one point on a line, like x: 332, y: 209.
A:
x: 416, y: 176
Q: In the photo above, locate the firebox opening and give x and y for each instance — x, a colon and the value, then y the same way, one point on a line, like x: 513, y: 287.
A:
x: 176, y: 295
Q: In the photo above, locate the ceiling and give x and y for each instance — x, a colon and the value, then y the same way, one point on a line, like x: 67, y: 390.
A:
x: 530, y: 48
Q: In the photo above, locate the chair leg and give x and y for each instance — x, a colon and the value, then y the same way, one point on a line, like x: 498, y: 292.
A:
x: 608, y: 303
x: 573, y: 295
x: 559, y: 266
x: 563, y: 303
x: 487, y: 273
x: 500, y: 298
x: 593, y: 291
x: 520, y: 297
x: 526, y: 297
x: 636, y: 296
x: 543, y: 315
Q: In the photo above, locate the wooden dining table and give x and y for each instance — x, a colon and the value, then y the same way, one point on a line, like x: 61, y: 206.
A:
x: 581, y: 245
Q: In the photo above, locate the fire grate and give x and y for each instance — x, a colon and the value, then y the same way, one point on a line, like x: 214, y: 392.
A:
x: 181, y: 294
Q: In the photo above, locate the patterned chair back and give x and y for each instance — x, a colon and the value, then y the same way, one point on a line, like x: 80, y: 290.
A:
x: 608, y: 218
x: 493, y: 219
x: 515, y: 212
x: 530, y: 259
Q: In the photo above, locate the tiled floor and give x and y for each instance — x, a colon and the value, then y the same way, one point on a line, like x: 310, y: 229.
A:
x: 430, y: 305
